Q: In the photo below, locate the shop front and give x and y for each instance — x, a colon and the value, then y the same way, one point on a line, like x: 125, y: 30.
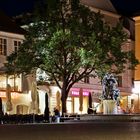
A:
x: 20, y: 103
x: 74, y: 101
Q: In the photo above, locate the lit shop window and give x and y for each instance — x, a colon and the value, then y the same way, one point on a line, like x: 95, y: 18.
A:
x: 3, y: 46
x: 16, y: 45
x: 14, y: 81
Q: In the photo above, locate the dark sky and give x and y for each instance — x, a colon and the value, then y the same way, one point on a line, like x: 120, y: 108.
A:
x: 127, y: 7
x: 16, y: 7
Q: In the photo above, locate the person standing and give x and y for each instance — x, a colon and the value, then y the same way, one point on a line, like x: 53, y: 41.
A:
x: 56, y: 115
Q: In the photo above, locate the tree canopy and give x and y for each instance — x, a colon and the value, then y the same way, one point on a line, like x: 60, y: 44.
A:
x: 69, y: 42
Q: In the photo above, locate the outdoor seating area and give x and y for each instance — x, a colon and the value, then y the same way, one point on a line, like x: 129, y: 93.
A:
x: 20, y: 119
x: 34, y: 118
x: 71, y: 117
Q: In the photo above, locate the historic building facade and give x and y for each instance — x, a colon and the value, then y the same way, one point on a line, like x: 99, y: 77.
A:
x: 136, y: 89
x: 10, y: 39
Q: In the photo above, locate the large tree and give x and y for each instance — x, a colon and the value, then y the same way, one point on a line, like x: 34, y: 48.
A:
x: 69, y: 42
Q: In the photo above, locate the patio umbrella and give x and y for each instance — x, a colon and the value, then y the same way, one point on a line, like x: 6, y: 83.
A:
x: 90, y: 100
x: 46, y: 111
x: 8, y: 96
x: 58, y: 100
x: 0, y: 105
x: 1, y: 111
x: 81, y: 100
x: 37, y: 104
x: 34, y: 96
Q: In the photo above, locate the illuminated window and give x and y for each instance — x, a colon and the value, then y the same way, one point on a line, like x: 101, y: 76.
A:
x: 16, y: 45
x: 3, y: 46
x: 14, y: 81
x: 22, y: 109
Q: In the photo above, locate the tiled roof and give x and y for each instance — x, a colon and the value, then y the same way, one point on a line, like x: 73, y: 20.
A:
x: 100, y: 4
x: 7, y: 25
x: 123, y: 7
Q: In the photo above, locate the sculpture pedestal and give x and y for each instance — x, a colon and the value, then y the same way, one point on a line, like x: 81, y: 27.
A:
x: 109, y: 107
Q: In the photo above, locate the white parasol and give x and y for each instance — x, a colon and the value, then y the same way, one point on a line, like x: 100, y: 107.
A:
x: 8, y: 96
x: 35, y: 98
x: 58, y: 100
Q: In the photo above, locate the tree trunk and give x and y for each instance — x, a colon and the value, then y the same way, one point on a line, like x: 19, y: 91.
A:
x: 63, y: 99
x: 46, y: 111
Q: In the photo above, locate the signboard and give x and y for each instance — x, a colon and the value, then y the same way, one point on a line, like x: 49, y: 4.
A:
x: 76, y: 93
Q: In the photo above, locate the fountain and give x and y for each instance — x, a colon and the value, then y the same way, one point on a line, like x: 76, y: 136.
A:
x: 109, y: 100
x: 110, y: 94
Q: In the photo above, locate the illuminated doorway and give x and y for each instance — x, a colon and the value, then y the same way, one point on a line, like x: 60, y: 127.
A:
x: 77, y: 105
x: 69, y: 105
x: 22, y: 109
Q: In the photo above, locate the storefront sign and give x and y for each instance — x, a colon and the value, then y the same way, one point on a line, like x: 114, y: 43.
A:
x: 76, y: 93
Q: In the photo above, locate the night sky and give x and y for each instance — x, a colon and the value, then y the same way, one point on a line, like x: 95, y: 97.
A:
x: 127, y: 7
x: 16, y: 7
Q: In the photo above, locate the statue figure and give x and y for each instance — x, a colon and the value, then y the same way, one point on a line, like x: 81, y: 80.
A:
x: 110, y: 90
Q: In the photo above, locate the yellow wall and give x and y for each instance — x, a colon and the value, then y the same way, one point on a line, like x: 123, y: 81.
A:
x: 137, y: 46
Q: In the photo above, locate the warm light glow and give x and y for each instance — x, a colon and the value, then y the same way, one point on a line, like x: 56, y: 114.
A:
x: 136, y: 88
x: 13, y: 94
